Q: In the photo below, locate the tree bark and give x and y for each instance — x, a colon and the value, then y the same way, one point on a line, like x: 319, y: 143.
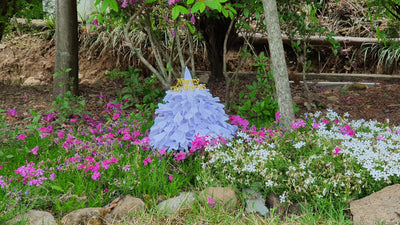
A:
x: 214, y: 30
x: 278, y: 62
x: 66, y: 49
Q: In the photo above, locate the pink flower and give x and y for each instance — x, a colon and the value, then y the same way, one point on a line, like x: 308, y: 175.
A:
x: 95, y: 22
x: 116, y: 116
x: 180, y: 156
x: 106, y: 190
x: 21, y: 137
x: 325, y: 121
x: 96, y: 175
x: 126, y: 168
x: 211, y: 202
x: 124, y: 4
x: 89, y: 159
x: 277, y: 117
x: 147, y: 161
x: 337, y: 150
x: 298, y: 123
x: 73, y: 120
x: 170, y: 2
x: 170, y: 177
x: 12, y: 112
x: 34, y: 150
x: 316, y: 125
x: 380, y: 138
x: 52, y: 176
x: 162, y: 151
x: 346, y: 129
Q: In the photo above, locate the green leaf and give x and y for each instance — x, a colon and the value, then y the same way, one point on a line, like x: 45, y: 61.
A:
x: 57, y: 188
x: 246, y: 12
x: 214, y: 5
x: 114, y: 5
x: 179, y: 9
x: 224, y: 12
x: 190, y: 28
x: 189, y: 2
x: 198, y: 6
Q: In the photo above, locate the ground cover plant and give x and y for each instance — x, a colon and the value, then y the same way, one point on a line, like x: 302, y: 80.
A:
x: 87, y: 161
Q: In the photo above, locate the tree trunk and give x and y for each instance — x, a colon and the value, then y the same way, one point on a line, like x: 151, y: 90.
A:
x: 3, y: 16
x: 279, y: 68
x: 66, y: 49
x: 214, y: 30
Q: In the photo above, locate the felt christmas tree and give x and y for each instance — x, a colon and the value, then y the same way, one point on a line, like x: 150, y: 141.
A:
x: 189, y: 109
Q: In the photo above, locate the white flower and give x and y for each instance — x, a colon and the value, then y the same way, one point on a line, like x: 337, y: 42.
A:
x: 299, y: 144
x: 282, y: 198
x: 269, y: 183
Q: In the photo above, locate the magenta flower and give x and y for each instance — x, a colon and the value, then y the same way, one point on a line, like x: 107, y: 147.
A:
x: 192, y: 19
x: 316, y: 125
x: 52, y: 176
x: 73, y: 120
x: 337, y: 151
x: 166, y: 19
x: 162, y: 151
x: 126, y: 168
x: 124, y: 4
x: 95, y: 22
x: 170, y: 177
x: 147, y: 161
x: 21, y: 137
x: 346, y: 129
x: 116, y: 116
x: 211, y: 202
x: 96, y: 175
x: 173, y: 33
x: 12, y: 112
x: 277, y: 117
x: 298, y: 123
x: 34, y: 150
x: 180, y: 156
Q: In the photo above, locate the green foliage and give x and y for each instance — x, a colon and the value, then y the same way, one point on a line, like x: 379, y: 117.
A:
x: 139, y: 91
x: 68, y: 107
x: 259, y: 105
x: 385, y: 56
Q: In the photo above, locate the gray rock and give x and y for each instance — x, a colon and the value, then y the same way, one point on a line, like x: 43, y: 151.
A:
x: 183, y: 200
x: 255, y: 202
x: 382, y: 206
x: 35, y: 217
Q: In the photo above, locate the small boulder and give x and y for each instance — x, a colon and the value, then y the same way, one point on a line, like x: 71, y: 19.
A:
x: 183, y: 200
x: 81, y: 216
x: 35, y: 217
x: 255, y: 202
x: 382, y: 206
x: 222, y: 195
x: 32, y: 81
x: 122, y: 211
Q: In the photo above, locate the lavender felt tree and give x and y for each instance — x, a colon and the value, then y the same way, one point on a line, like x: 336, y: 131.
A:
x: 189, y: 109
